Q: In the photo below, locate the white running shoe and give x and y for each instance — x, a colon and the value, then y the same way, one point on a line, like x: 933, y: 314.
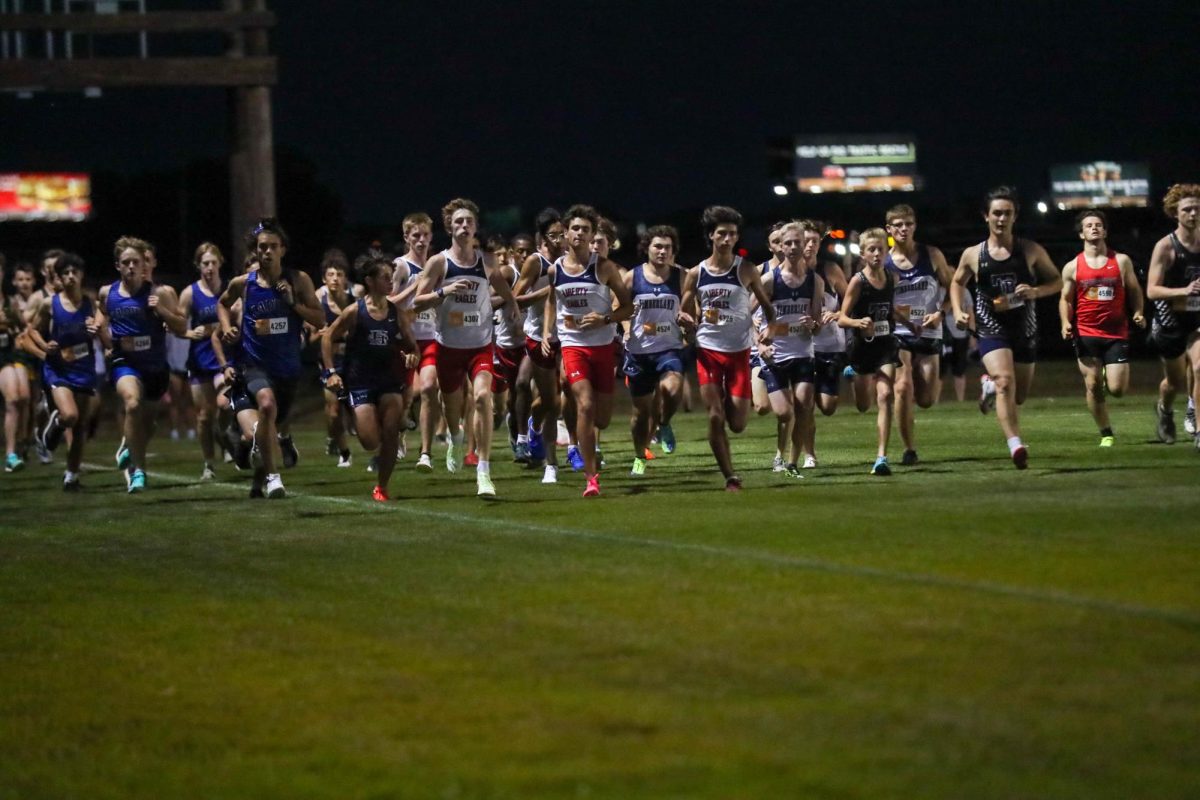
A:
x: 809, y: 462
x: 344, y: 461
x: 274, y: 487
x: 562, y: 439
x: 485, y: 486
x: 401, y: 450
x: 425, y: 463
x: 451, y: 457
x: 208, y: 473
x: 551, y: 474
x: 777, y: 465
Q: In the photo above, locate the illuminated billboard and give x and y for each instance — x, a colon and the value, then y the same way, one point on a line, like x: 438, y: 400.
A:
x: 45, y: 196
x: 1100, y: 183
x: 866, y: 163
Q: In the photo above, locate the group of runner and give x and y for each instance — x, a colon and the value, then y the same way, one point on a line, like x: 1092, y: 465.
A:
x: 541, y: 327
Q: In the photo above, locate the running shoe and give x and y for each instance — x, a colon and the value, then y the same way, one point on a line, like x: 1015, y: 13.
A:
x: 227, y: 457
x: 471, y: 460
x: 648, y: 455
x: 987, y: 394
x: 373, y: 464
x: 537, y: 447
x: 639, y: 468
x: 792, y: 471
x: 1166, y: 424
x: 909, y: 459
x: 1020, y: 457
x: 1107, y: 441
x: 848, y: 372
x: 575, y: 458
x: 242, y: 453
x: 881, y: 467
x: 380, y: 495
x: 600, y: 459
x: 71, y: 483
x: 13, y: 463
x: 330, y: 446
x: 51, y: 434
x: 593, y: 487
x: 291, y: 456
x: 43, y: 454
x: 137, y: 481
x: 1189, y: 419
x: 777, y: 465
x: 666, y: 435
x: 174, y: 434
x: 452, y: 457
x: 256, y: 483
x: 344, y: 459
x: 401, y: 449
x: 550, y: 475
x: 209, y: 473
x: 521, y: 453
x: 425, y: 463
x: 484, y: 485
x: 563, y: 437
x: 810, y: 462
x: 122, y: 457
x: 733, y: 484
x: 274, y: 488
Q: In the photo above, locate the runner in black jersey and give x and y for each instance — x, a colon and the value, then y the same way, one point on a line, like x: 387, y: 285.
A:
x: 1173, y: 286
x: 868, y: 311
x: 1010, y: 275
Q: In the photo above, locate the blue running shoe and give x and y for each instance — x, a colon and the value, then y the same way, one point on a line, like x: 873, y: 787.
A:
x: 13, y: 463
x: 575, y: 457
x: 848, y: 372
x: 137, y: 481
x: 537, y: 448
x: 666, y: 437
x: 123, y: 458
x: 881, y: 467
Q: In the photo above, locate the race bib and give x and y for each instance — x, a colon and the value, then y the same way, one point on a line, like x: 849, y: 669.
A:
x: 465, y: 319
x: 881, y: 328
x: 72, y: 354
x: 1193, y: 302
x: 135, y: 344
x: 1008, y: 302
x: 427, y: 316
x: 712, y: 316
x: 917, y: 314
x: 570, y: 323
x: 659, y: 329
x: 271, y: 327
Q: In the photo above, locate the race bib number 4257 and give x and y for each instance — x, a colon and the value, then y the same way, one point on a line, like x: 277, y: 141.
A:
x: 271, y: 327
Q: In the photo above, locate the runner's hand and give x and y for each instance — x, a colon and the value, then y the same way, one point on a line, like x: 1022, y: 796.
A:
x: 591, y: 320
x: 1139, y: 320
x: 334, y: 382
x: 962, y: 319
x: 1025, y: 291
x: 1067, y: 329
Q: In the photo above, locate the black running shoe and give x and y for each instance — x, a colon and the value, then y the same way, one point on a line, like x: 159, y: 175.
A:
x: 1166, y: 424
x: 909, y: 459
x: 256, y: 485
x: 291, y: 456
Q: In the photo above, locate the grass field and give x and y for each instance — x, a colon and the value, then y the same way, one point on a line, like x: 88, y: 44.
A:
x: 960, y: 630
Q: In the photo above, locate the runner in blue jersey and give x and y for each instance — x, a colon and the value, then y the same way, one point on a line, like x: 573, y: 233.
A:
x: 1010, y: 274
x: 274, y: 303
x: 63, y: 327
x: 334, y: 296
x: 653, y: 364
x: 922, y: 298
x: 796, y: 293
x: 368, y: 378
x: 14, y: 377
x: 206, y: 373
x: 134, y: 311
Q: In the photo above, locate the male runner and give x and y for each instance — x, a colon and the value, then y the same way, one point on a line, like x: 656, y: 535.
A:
x: 758, y: 386
x: 198, y: 303
x: 1010, y: 274
x: 829, y: 342
x: 334, y: 296
x: 717, y: 293
x: 1100, y: 294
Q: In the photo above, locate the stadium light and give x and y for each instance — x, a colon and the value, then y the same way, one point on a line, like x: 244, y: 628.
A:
x: 815, y: 189
x: 780, y: 190
x: 854, y: 248
x: 1042, y: 207
x: 840, y: 249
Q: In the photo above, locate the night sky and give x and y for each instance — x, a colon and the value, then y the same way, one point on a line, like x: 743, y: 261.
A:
x: 645, y: 108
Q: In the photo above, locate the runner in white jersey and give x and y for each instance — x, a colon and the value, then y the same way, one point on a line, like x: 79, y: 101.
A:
x: 418, y: 233
x: 717, y: 293
x: 762, y: 401
x: 540, y: 371
x: 459, y: 282
x: 829, y: 342
x: 653, y: 363
x: 922, y: 282
x: 581, y: 306
x: 787, y: 361
x: 509, y: 336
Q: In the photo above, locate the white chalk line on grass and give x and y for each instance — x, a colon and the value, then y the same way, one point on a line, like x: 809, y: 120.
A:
x: 774, y: 559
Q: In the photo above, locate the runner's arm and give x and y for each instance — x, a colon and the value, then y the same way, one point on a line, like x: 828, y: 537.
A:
x: 1134, y: 300
x: 1066, y: 301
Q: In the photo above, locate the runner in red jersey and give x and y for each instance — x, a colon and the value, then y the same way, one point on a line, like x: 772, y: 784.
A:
x: 1100, y: 295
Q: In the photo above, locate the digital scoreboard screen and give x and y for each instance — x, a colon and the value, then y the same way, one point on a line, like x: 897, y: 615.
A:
x: 866, y: 163
x: 45, y: 196
x: 1100, y: 184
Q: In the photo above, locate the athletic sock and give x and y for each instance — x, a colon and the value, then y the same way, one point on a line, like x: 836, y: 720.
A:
x: 1013, y: 443
x: 522, y: 438
x: 484, y: 466
x: 1106, y: 432
x: 456, y: 439
x: 70, y: 477
x: 1191, y: 404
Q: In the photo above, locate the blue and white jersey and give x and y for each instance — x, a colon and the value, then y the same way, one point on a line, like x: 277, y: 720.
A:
x: 724, y: 324
x: 371, y: 348
x: 917, y: 288
x: 270, y: 330
x: 789, y: 337
x: 576, y: 296
x: 465, y: 317
x: 506, y: 330
x: 830, y: 337
x: 201, y: 355
x: 654, y: 327
x: 424, y: 324
x: 535, y: 314
x: 137, y: 333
